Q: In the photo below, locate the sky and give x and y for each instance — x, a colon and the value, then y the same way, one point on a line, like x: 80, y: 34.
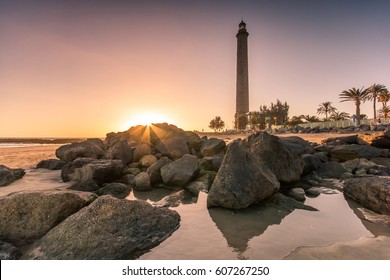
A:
x: 79, y: 68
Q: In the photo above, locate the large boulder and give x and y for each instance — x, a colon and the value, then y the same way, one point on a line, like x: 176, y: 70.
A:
x: 342, y: 140
x: 99, y: 171
x: 286, y: 166
x: 297, y: 145
x: 109, y: 228
x: 142, y: 150
x: 142, y: 182
x: 242, y: 179
x: 331, y: 169
x: 173, y: 148
x: 379, y: 140
x: 91, y: 148
x: 120, y: 150
x: 310, y: 163
x: 358, y: 165
x: 9, y: 175
x: 371, y: 192
x: 27, y: 216
x: 181, y: 171
x: 213, y: 146
x: 147, y: 160
x: 69, y: 168
x: 51, y: 164
x: 348, y: 152
x: 154, y: 170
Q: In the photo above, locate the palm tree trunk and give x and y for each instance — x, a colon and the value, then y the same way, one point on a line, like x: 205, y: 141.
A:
x: 374, y: 107
x: 357, y: 113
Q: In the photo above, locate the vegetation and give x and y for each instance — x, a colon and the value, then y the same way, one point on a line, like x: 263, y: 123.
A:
x: 384, y: 97
x: 276, y: 114
x: 340, y: 116
x: 217, y: 124
x: 326, y: 108
x: 358, y: 96
x: 374, y: 92
x: 309, y: 118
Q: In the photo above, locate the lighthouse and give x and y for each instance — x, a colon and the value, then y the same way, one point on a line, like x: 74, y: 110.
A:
x: 242, y: 84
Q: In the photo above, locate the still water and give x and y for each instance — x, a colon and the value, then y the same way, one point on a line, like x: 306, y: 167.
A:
x: 263, y: 232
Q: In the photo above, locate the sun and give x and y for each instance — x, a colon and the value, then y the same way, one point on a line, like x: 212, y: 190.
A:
x: 146, y: 118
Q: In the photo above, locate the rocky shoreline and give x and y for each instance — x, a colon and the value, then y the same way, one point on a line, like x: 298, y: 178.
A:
x: 259, y: 169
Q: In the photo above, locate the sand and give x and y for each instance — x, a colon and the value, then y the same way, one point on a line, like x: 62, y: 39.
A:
x: 26, y: 157
x: 364, y: 248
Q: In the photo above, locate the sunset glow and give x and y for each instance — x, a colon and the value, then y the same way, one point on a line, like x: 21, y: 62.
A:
x: 84, y: 68
x: 147, y: 118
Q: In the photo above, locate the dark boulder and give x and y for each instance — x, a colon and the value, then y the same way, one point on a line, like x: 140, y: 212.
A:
x: 154, y: 170
x: 286, y: 166
x: 27, y: 216
x: 91, y: 148
x: 371, y: 192
x: 120, y: 150
x: 51, y: 164
x: 310, y: 163
x: 68, y: 169
x: 297, y: 145
x: 242, y: 179
x: 331, y: 169
x: 213, y: 146
x: 181, y: 171
x: 110, y: 229
x: 117, y: 190
x: 10, y: 175
x: 348, y: 152
x: 9, y: 252
x: 173, y: 148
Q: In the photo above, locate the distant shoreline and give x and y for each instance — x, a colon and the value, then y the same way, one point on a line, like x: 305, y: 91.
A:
x: 21, y: 142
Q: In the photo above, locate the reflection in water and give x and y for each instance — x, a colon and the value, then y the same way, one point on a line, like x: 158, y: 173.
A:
x: 263, y: 232
x: 239, y: 226
x: 381, y: 226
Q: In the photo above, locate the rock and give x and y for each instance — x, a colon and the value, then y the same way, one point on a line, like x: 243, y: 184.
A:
x: 69, y: 168
x: 99, y: 171
x: 297, y: 193
x: 289, y: 204
x: 197, y: 186
x: 147, y: 161
x: 27, y: 216
x: 154, y: 170
x: 51, y: 164
x: 310, y: 163
x: 364, y: 166
x: 92, y: 148
x: 331, y: 169
x: 206, y: 163
x: 9, y: 252
x: 297, y: 145
x: 142, y: 150
x: 242, y: 180
x: 348, y: 152
x: 217, y: 161
x: 172, y: 200
x: 371, y: 192
x: 379, y: 140
x: 173, y: 148
x: 343, y: 140
x: 120, y: 150
x: 117, y: 190
x: 128, y: 179
x: 109, y: 228
x: 286, y: 166
x: 9, y: 175
x: 316, y: 191
x: 142, y: 182
x: 206, y: 177
x: 181, y: 171
x: 213, y: 146
x: 323, y: 156
x: 132, y: 171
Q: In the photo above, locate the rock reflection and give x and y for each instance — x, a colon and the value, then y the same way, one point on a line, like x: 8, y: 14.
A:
x: 375, y: 223
x: 239, y: 226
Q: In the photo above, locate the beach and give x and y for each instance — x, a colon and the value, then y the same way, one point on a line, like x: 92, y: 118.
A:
x: 255, y: 233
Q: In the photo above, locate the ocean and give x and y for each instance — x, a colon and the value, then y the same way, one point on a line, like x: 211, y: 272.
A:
x: 30, y: 142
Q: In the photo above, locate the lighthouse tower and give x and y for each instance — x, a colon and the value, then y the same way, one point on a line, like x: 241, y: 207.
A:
x: 242, y: 87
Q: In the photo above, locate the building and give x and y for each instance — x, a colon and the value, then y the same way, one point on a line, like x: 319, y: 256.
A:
x: 242, y: 85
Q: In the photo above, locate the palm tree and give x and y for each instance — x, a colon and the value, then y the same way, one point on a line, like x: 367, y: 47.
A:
x: 357, y: 96
x: 384, y: 97
x: 339, y: 116
x: 374, y: 91
x: 325, y: 108
x: 309, y: 118
x: 385, y: 111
